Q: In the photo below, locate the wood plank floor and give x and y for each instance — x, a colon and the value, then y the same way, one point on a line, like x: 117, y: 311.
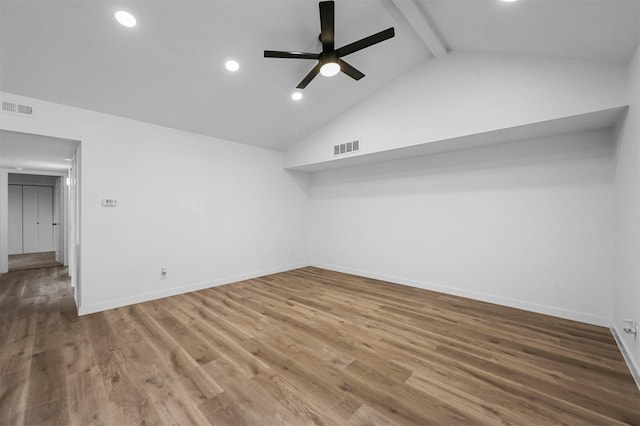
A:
x: 21, y: 262
x: 303, y: 347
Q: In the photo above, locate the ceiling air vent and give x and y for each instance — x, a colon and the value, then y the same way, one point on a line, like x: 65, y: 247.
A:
x: 346, y: 148
x: 17, y: 109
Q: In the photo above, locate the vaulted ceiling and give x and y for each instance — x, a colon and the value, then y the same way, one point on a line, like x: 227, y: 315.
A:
x: 169, y: 69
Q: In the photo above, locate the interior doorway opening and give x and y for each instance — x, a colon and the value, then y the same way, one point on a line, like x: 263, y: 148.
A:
x: 39, y: 203
x: 35, y: 226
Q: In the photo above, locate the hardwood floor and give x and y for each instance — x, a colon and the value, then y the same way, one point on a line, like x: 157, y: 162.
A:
x: 301, y: 347
x: 21, y: 262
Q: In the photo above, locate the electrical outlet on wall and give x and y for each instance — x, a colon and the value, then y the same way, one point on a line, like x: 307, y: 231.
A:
x: 630, y: 327
x: 163, y: 273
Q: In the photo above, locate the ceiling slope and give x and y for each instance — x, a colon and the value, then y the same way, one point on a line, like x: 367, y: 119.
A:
x: 169, y: 70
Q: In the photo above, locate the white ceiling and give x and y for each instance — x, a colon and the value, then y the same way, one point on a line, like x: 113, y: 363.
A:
x: 169, y: 69
x: 605, y: 30
x: 33, y: 152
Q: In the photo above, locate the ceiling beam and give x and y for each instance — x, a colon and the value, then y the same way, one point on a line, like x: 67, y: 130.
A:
x: 420, y: 24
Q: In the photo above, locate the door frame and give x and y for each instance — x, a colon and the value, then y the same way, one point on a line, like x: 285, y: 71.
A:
x: 4, y: 225
x: 72, y: 203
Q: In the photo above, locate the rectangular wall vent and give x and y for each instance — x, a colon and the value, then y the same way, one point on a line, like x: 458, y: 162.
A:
x: 17, y: 109
x: 346, y: 148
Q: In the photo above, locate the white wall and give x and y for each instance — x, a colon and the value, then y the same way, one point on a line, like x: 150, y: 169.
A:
x: 526, y: 224
x: 626, y: 287
x: 210, y: 211
x: 4, y: 220
x: 40, y: 180
x: 464, y: 94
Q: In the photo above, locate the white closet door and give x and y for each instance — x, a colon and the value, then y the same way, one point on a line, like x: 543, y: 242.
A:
x: 45, y: 218
x: 30, y: 243
x: 15, y: 219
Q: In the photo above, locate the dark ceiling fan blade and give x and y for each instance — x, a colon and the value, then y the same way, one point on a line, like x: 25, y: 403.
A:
x: 366, y: 42
x: 327, y: 19
x: 315, y: 71
x: 294, y: 55
x: 349, y: 70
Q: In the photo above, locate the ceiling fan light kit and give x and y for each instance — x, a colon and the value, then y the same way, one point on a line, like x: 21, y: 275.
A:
x: 329, y: 60
x: 330, y: 69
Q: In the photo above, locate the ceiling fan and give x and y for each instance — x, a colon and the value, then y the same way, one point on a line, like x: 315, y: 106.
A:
x: 329, y: 60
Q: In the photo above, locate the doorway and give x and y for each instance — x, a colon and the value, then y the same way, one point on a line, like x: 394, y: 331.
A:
x: 42, y: 157
x: 34, y: 201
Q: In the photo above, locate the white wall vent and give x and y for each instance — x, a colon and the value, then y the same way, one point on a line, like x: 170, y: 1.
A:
x: 17, y: 109
x: 346, y: 148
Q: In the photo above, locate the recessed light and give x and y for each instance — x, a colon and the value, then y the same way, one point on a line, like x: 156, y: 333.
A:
x: 509, y: 1
x: 232, y: 65
x: 330, y: 69
x: 19, y: 168
x: 296, y: 96
x: 125, y: 18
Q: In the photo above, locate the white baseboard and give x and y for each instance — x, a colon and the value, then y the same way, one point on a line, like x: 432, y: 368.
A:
x: 514, y: 303
x: 499, y: 300
x: 145, y: 297
x: 633, y: 367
